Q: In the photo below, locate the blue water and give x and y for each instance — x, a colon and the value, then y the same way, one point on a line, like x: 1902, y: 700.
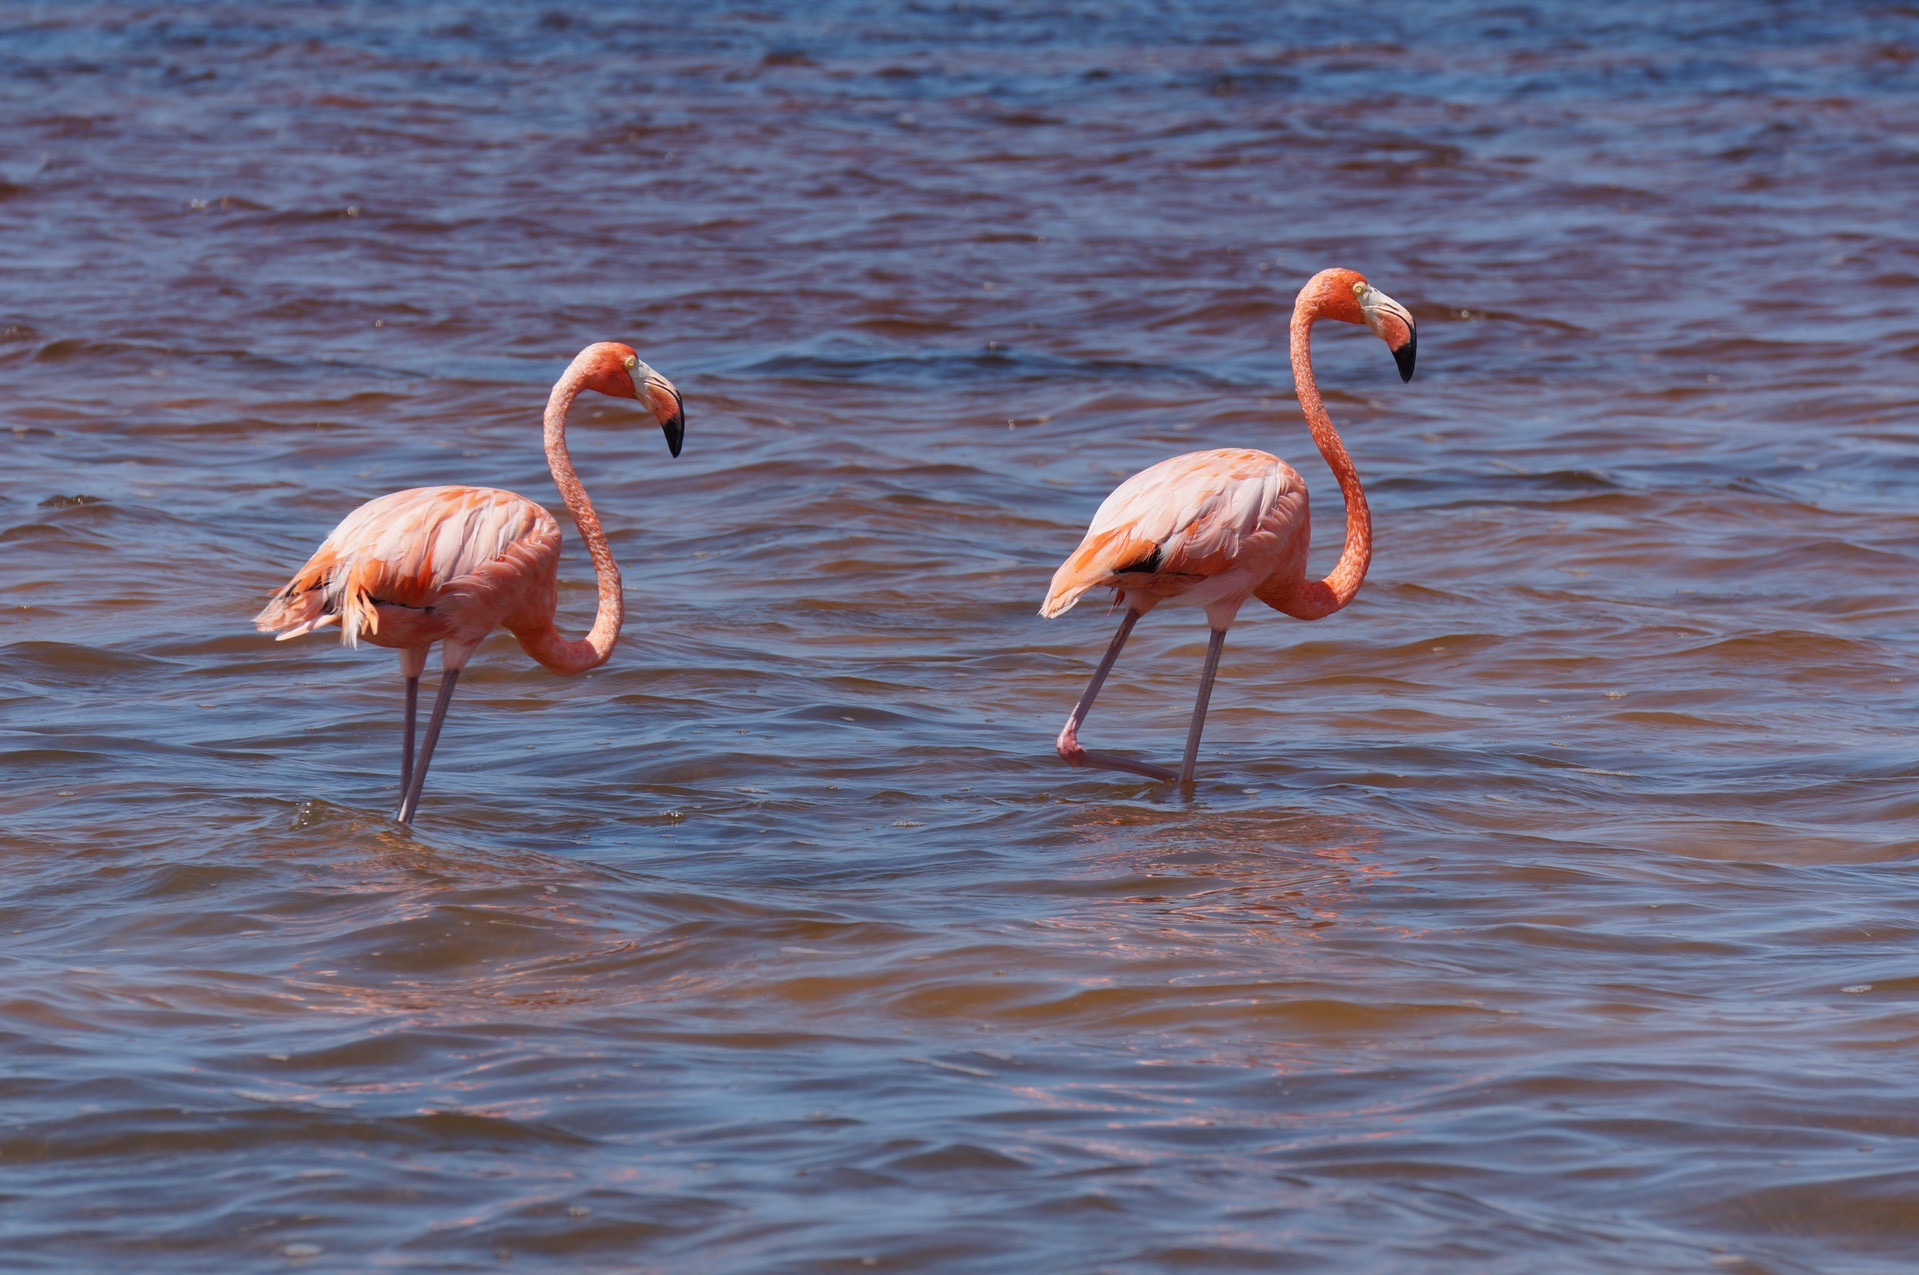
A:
x: 1551, y: 908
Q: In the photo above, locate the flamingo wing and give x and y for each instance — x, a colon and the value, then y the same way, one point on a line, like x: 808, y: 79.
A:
x: 1181, y: 521
x: 406, y: 550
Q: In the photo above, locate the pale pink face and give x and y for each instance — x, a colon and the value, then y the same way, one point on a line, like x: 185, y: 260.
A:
x: 618, y: 372
x: 1345, y: 295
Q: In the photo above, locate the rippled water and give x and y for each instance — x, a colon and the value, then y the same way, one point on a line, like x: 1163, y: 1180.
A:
x: 1552, y: 908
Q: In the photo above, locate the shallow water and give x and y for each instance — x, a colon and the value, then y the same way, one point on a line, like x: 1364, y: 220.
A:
x: 1552, y: 908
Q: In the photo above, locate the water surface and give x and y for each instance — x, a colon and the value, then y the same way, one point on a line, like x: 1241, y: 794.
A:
x: 1551, y: 908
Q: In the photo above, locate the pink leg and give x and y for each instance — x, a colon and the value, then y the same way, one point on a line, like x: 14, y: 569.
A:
x: 412, y: 664
x: 1068, y: 743
x: 1214, y: 645
x: 406, y: 753
x: 410, y: 801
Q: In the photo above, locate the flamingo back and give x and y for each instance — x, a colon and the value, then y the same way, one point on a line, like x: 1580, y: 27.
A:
x: 1185, y: 521
x: 414, y: 549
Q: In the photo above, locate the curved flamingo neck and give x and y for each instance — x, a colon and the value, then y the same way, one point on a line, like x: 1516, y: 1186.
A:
x: 1316, y: 599
x: 548, y: 647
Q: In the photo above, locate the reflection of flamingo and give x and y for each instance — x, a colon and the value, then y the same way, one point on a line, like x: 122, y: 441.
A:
x: 452, y: 564
x: 1212, y: 529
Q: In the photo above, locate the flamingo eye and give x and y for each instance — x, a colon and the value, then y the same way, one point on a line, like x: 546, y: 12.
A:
x: 632, y: 361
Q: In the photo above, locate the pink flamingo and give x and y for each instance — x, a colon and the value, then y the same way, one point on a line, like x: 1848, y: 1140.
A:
x: 452, y: 564
x: 1212, y: 529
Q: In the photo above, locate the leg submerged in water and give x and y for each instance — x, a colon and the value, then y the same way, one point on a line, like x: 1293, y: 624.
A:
x: 412, y: 664
x: 1068, y: 745
x: 410, y: 800
x: 1214, y: 645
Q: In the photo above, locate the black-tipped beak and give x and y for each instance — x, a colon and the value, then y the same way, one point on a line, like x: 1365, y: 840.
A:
x: 656, y: 393
x: 1392, y: 323
x: 675, y: 430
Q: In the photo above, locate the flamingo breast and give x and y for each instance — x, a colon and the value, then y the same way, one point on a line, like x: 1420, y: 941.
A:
x: 1205, y: 528
x: 420, y: 565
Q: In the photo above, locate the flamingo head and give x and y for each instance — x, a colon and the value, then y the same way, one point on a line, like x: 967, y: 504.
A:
x: 615, y: 370
x: 1345, y: 295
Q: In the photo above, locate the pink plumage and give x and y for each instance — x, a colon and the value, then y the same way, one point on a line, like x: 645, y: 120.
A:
x: 449, y: 565
x: 425, y: 565
x: 1207, y: 527
x: 1212, y: 529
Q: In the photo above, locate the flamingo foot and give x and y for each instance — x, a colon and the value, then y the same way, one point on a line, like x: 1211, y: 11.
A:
x: 1073, y: 754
